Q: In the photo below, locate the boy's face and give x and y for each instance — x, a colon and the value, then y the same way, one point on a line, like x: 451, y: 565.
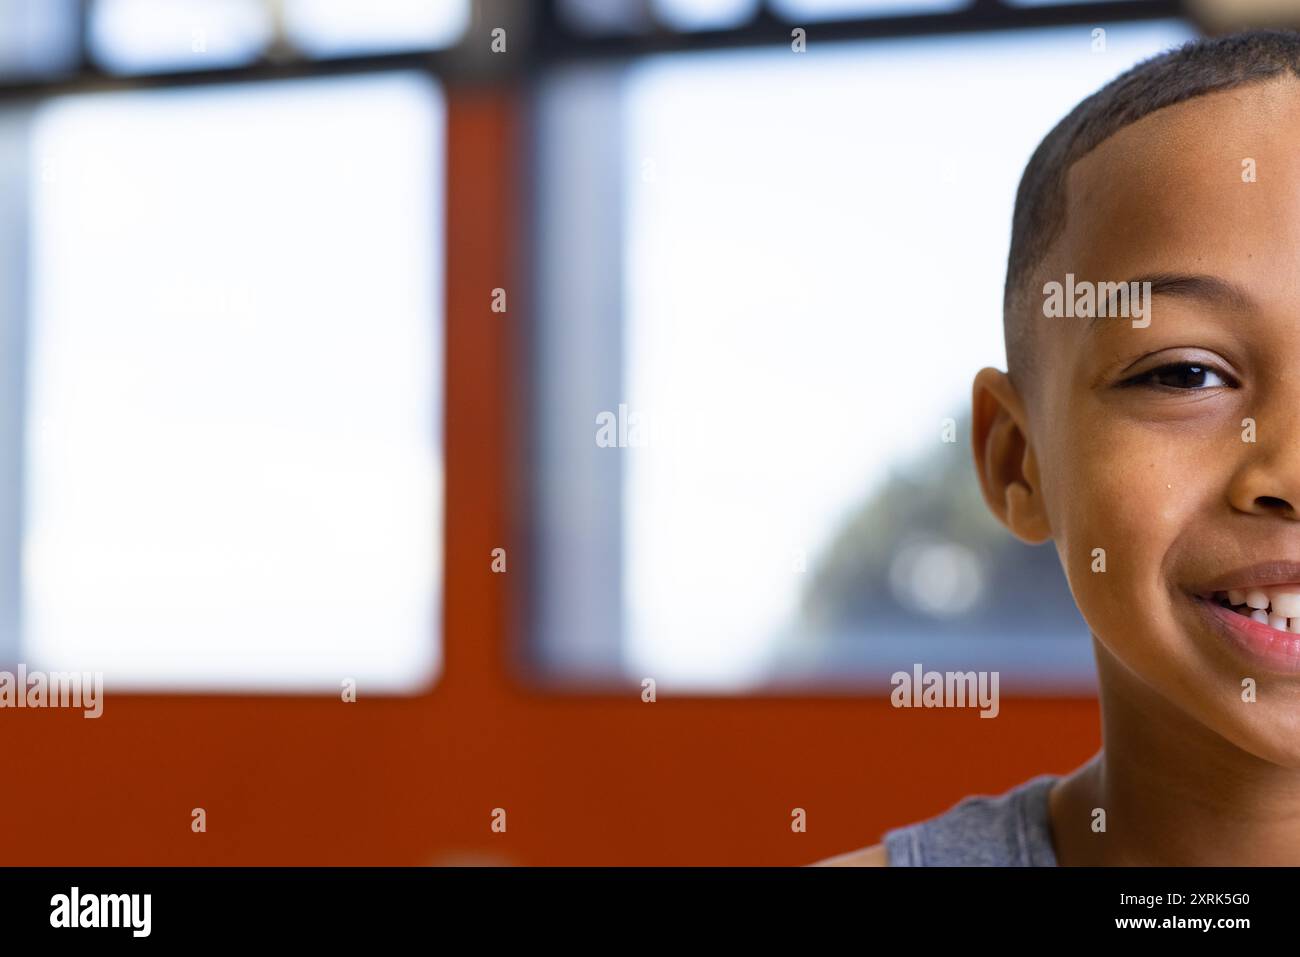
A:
x: 1134, y: 437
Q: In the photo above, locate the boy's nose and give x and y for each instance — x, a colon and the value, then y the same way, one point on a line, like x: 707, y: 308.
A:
x: 1268, y: 480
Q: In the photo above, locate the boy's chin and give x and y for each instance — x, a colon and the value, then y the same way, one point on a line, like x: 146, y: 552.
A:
x: 1262, y: 720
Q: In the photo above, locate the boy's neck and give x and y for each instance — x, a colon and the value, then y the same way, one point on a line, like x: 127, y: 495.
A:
x: 1173, y: 792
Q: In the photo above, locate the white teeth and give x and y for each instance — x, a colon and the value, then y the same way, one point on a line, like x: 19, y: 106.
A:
x: 1279, y: 610
x: 1286, y: 603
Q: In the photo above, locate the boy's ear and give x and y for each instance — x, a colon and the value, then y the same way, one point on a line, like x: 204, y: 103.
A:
x: 1004, y: 458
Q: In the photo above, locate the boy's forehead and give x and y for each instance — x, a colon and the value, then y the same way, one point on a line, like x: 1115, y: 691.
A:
x: 1209, y: 184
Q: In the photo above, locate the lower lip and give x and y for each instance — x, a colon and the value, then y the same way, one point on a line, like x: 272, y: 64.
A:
x: 1275, y: 650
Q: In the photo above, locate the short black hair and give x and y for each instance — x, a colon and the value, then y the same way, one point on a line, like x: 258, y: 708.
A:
x: 1196, y: 68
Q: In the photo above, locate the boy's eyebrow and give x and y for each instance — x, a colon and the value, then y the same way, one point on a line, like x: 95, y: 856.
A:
x: 1206, y: 288
x: 1199, y: 287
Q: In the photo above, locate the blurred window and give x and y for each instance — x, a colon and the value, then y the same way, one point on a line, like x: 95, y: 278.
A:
x: 38, y: 38
x: 799, y: 11
x: 745, y: 479
x: 142, y: 36
x: 326, y: 28
x: 1053, y: 3
x: 232, y: 466
x: 605, y: 17
x: 689, y: 15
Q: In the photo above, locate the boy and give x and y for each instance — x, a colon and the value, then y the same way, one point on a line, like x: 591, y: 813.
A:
x: 1171, y: 441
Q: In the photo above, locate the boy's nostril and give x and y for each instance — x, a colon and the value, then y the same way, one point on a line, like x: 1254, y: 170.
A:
x: 1273, y: 504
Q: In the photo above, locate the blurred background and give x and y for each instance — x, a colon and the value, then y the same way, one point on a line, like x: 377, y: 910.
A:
x: 497, y: 357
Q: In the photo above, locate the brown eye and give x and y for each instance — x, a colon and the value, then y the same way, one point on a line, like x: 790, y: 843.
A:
x: 1182, y: 375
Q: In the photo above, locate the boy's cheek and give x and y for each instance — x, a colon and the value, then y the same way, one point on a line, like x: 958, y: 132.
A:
x: 1115, y: 517
x: 1120, y: 527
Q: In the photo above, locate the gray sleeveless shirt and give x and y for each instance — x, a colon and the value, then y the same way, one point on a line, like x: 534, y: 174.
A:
x: 1012, y: 829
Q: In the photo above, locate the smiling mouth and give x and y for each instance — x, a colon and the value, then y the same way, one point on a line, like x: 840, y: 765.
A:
x: 1279, y: 608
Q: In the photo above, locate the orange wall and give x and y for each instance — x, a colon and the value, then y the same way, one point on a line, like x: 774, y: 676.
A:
x: 584, y: 779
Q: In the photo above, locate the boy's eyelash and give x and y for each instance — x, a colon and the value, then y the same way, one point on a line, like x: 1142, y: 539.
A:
x: 1148, y: 377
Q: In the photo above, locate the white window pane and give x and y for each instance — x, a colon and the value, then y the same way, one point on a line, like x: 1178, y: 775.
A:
x: 38, y: 37
x: 139, y: 36
x: 233, y: 469
x: 705, y: 14
x: 798, y: 11
x: 1049, y: 3
x: 346, y: 27
x: 805, y: 302
x: 605, y: 17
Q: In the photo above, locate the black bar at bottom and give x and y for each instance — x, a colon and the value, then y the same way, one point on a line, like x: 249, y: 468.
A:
x: 545, y: 905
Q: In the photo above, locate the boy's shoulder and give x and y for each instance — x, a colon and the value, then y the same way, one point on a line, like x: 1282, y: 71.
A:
x: 875, y: 856
x: 1009, y: 828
